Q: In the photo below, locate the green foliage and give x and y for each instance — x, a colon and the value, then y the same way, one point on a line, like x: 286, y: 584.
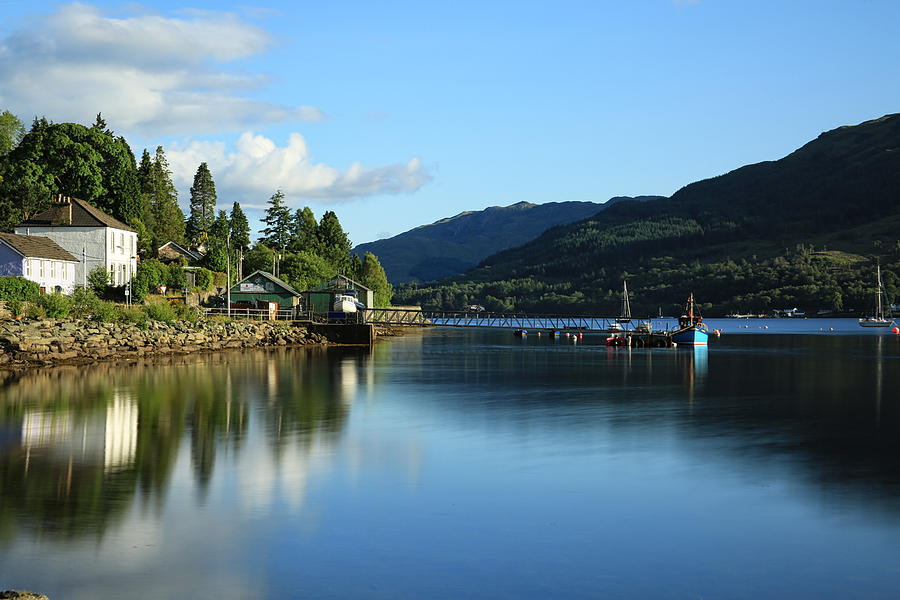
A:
x: 259, y: 258
x: 161, y: 311
x: 216, y: 258
x: 150, y: 274
x: 161, y: 200
x: 56, y: 305
x: 305, y: 232
x: 203, y: 203
x: 34, y: 310
x: 15, y: 306
x: 304, y: 270
x: 11, y: 132
x: 89, y: 163
x: 334, y: 245
x: 99, y: 279
x: 135, y: 315
x: 373, y: 277
x: 278, y: 222
x: 204, y: 279
x: 84, y: 303
x: 18, y: 288
x: 183, y: 312
x: 240, y: 228
x: 175, y: 278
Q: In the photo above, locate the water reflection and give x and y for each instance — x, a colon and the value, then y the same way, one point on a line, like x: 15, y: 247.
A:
x: 78, y: 445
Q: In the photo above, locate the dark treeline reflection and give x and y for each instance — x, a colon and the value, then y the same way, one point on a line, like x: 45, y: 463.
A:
x: 79, y: 445
x: 826, y: 406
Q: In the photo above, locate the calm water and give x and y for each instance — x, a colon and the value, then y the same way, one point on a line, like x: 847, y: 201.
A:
x: 464, y: 464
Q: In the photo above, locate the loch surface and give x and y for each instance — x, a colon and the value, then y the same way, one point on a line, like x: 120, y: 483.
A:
x: 463, y: 464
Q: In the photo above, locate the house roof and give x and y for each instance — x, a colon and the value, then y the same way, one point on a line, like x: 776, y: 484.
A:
x: 179, y: 248
x: 72, y: 212
x: 35, y: 246
x: 283, y: 284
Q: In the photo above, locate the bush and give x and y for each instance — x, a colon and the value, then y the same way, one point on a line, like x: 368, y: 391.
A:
x: 33, y: 310
x: 18, y: 288
x: 161, y: 311
x: 204, y: 279
x: 175, y: 279
x: 84, y: 303
x: 105, y: 312
x: 135, y: 315
x: 56, y: 305
x: 15, y: 306
x: 99, y: 279
x: 186, y: 313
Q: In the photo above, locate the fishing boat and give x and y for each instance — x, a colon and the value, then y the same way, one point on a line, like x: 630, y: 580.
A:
x: 692, y: 330
x: 878, y: 319
x: 625, y: 312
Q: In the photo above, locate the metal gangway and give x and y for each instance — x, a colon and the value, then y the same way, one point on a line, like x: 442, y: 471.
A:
x: 444, y: 318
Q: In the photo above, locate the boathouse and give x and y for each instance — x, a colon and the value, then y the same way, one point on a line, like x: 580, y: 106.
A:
x: 321, y: 299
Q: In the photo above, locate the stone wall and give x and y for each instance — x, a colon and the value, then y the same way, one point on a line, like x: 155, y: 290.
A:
x: 28, y: 343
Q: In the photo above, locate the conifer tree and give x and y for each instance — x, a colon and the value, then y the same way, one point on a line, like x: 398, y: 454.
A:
x: 278, y: 222
x: 240, y: 228
x: 334, y: 245
x: 305, y: 231
x: 168, y: 218
x: 203, y: 203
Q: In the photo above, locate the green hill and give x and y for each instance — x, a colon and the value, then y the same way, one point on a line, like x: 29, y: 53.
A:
x: 456, y: 244
x: 800, y: 231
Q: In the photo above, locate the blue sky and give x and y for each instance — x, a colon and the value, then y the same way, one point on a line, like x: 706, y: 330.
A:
x: 397, y: 114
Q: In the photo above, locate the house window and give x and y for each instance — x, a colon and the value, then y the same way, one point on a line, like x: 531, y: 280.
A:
x: 41, y: 266
x: 112, y: 274
x: 27, y: 267
x: 130, y: 245
x: 112, y: 243
x: 122, y: 242
x: 52, y: 269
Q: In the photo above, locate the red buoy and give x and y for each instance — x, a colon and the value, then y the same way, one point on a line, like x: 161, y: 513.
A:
x: 895, y: 330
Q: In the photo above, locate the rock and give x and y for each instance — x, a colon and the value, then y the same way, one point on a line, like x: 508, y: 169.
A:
x: 22, y: 595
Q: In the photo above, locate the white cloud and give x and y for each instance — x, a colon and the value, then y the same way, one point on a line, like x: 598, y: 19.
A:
x: 148, y: 74
x: 256, y: 167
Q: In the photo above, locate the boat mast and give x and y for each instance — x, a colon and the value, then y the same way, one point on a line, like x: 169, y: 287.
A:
x: 879, y: 314
x: 626, y: 303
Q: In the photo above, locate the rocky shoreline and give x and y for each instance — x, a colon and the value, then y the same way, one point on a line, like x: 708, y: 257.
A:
x: 33, y: 343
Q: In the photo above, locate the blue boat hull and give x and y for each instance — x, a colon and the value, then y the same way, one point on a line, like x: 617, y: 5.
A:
x: 691, y: 337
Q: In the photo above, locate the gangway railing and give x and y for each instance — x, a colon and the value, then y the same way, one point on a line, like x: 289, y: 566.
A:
x: 406, y: 316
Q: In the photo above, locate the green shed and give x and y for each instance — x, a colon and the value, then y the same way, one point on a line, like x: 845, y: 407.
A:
x: 321, y: 299
x: 265, y: 287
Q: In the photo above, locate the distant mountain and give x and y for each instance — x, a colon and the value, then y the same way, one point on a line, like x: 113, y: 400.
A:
x: 799, y: 231
x: 456, y: 244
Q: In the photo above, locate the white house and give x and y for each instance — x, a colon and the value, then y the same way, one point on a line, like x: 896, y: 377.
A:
x: 91, y: 235
x: 39, y: 259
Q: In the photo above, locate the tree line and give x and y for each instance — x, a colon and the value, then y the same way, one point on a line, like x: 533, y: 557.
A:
x: 95, y: 165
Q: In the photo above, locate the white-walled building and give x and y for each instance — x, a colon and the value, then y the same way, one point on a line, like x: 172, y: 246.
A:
x: 39, y: 259
x: 92, y: 236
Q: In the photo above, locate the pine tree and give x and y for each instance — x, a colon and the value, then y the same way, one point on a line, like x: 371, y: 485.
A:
x: 203, y: 203
x: 305, y: 231
x: 240, y: 228
x: 278, y: 222
x: 217, y: 253
x: 334, y: 245
x: 168, y: 218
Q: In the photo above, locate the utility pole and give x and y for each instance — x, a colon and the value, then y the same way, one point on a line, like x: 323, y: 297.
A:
x: 228, y: 273
x: 84, y: 263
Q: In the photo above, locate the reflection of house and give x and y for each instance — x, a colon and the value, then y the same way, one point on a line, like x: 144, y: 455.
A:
x: 39, y: 259
x: 321, y: 299
x: 172, y: 252
x: 261, y: 288
x: 108, y: 438
x: 90, y: 234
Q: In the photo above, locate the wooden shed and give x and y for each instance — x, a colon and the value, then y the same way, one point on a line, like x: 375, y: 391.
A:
x: 321, y: 299
x: 264, y: 287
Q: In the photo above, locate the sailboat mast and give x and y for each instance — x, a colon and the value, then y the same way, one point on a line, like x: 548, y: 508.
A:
x: 879, y: 314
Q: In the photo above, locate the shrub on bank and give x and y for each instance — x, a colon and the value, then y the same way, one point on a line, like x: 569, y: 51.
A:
x: 161, y: 311
x: 18, y: 288
x: 55, y: 305
x: 16, y: 307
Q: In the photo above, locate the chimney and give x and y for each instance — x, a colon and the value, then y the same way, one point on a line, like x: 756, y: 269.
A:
x: 70, y: 210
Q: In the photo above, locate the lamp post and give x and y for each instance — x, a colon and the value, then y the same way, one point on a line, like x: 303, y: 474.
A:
x: 228, y: 272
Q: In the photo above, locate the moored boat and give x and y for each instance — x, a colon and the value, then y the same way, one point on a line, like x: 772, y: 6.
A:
x: 692, y: 330
x: 878, y: 319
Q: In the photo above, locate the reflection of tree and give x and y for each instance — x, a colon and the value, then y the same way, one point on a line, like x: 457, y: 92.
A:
x: 55, y: 487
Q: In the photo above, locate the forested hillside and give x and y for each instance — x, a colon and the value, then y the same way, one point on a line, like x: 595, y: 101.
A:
x: 802, y: 231
x: 456, y: 244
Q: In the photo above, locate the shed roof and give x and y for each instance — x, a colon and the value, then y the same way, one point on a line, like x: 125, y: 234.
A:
x: 72, y: 212
x: 280, y: 283
x: 191, y: 254
x: 35, y: 246
x: 342, y: 281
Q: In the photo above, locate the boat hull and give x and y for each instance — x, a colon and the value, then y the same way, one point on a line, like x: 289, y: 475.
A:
x: 691, y: 336
x: 875, y: 322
